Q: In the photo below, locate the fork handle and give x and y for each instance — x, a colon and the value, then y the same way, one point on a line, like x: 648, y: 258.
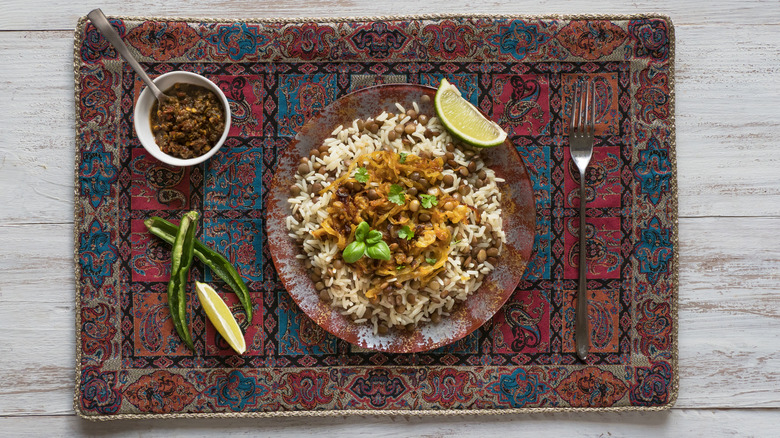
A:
x: 582, y: 330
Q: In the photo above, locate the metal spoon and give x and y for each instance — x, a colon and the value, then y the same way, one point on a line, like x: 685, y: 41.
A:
x: 101, y: 22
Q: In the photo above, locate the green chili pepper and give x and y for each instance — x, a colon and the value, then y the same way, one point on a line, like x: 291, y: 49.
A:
x: 181, y: 260
x: 214, y: 260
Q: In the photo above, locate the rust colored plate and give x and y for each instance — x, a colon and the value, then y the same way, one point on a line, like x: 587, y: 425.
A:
x: 519, y: 218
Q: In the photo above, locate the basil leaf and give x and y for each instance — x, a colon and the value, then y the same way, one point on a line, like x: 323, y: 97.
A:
x: 428, y: 201
x: 362, y: 232
x: 380, y: 251
x: 354, y: 251
x: 361, y: 175
x: 406, y: 233
x: 374, y: 237
x: 396, y: 195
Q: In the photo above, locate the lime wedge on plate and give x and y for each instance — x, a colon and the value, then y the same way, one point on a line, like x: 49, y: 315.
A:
x: 219, y: 314
x: 464, y: 120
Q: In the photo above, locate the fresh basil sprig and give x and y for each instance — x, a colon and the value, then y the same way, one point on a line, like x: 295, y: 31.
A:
x: 367, y: 241
x: 354, y: 251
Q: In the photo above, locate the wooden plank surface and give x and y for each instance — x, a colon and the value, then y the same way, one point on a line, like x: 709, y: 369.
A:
x: 728, y: 60
x: 673, y: 424
x: 63, y: 15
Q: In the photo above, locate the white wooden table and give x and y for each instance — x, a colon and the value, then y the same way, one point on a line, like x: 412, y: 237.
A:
x: 728, y: 127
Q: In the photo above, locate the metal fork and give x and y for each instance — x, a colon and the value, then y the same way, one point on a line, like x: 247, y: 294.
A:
x: 581, y: 129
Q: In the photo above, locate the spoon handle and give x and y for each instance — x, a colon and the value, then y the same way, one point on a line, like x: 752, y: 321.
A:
x: 101, y: 22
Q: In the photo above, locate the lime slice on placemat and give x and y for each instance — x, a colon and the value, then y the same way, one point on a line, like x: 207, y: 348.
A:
x: 464, y: 120
x: 219, y: 314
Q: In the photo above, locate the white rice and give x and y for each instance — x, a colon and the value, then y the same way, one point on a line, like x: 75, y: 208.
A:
x: 344, y: 288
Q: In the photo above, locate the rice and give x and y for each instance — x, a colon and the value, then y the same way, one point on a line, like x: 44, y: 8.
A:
x: 410, y: 304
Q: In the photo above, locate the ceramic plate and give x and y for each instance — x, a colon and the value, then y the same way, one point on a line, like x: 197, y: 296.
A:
x: 518, y: 214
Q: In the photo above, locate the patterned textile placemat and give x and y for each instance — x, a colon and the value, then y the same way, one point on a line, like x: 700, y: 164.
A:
x: 277, y: 73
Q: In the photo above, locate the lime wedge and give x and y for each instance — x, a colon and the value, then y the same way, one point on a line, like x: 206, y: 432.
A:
x: 219, y: 314
x: 464, y: 120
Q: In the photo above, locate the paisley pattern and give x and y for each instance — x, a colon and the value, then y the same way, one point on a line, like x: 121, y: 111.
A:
x: 602, y: 251
x: 523, y: 105
x: 240, y: 240
x: 450, y: 40
x: 150, y: 333
x: 307, y: 389
x: 95, y: 47
x: 157, y: 186
x: 652, y: 385
x: 236, y: 391
x: 160, y: 392
x: 98, y: 392
x: 378, y: 40
x: 97, y: 254
x: 522, y: 325
x: 521, y: 388
x: 449, y: 387
x: 651, y: 38
x: 97, y: 96
x: 308, y: 41
x: 379, y: 388
x: 521, y: 73
x: 300, y: 97
x: 653, y: 171
x: 591, y: 387
x: 653, y: 95
x: 97, y: 332
x: 519, y: 39
x: 654, y: 250
x: 236, y: 41
x: 97, y: 174
x: 163, y: 40
x: 153, y: 332
x: 655, y: 326
x: 591, y: 39
x: 245, y: 95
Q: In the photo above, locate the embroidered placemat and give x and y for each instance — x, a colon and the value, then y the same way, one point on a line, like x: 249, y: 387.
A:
x: 277, y: 73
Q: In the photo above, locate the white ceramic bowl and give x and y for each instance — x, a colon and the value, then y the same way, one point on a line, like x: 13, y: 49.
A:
x: 143, y: 109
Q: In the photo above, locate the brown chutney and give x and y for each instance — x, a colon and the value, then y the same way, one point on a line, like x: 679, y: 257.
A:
x: 188, y: 124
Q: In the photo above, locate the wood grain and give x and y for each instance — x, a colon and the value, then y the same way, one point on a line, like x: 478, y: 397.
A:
x: 37, y: 125
x: 727, y: 127
x: 675, y: 423
x: 62, y: 16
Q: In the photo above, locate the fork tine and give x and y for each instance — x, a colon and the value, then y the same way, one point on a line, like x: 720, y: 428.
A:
x: 585, y: 116
x: 591, y: 121
x: 582, y: 120
x: 574, y: 106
